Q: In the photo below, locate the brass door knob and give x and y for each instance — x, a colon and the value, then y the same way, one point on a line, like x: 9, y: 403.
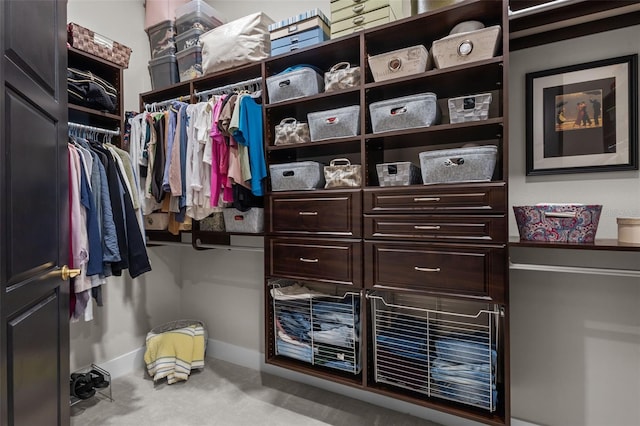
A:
x: 66, y: 273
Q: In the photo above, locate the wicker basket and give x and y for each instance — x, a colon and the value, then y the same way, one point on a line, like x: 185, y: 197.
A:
x: 88, y: 41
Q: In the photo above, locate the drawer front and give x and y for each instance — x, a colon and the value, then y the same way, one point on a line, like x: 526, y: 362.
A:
x: 362, y: 20
x: 299, y: 27
x: 476, y: 198
x: 323, y: 260
x: 314, y: 34
x: 329, y: 213
x: 473, y: 271
x: 295, y: 46
x: 356, y: 8
x: 461, y: 228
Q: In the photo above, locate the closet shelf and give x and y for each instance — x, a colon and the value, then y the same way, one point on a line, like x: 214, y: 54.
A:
x: 94, y: 112
x: 598, y: 244
x: 324, y: 373
x: 354, y: 92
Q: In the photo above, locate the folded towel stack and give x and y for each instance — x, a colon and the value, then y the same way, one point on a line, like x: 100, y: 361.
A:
x: 173, y: 354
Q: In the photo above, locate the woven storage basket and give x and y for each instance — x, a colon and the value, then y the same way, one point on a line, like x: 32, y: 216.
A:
x: 103, y: 47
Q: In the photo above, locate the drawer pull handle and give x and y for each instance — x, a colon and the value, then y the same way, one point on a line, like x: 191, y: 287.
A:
x: 358, y: 8
x: 417, y: 200
x: 358, y: 20
x: 308, y: 213
x: 561, y: 214
x: 302, y: 259
x: 419, y: 269
x: 427, y: 227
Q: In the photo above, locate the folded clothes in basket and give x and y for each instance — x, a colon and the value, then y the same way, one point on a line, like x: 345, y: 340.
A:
x: 403, y: 346
x: 173, y: 354
x: 465, y: 350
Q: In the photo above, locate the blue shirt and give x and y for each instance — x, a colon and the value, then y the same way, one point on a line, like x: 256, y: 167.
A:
x: 249, y: 133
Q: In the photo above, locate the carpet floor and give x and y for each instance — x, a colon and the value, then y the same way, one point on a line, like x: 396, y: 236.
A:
x: 226, y: 394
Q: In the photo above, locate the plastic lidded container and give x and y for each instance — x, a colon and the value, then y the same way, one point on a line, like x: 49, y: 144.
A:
x: 190, y: 63
x: 164, y: 71
x: 199, y: 6
x: 161, y: 39
x: 189, y: 39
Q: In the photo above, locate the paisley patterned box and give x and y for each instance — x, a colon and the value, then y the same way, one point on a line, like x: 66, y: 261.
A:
x: 574, y: 223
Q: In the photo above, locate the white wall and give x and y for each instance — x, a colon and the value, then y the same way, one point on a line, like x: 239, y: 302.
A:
x: 575, y: 339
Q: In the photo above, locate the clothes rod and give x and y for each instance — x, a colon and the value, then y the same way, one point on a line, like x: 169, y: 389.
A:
x: 166, y: 102
x: 219, y: 90
x: 575, y: 269
x: 540, y: 8
x: 230, y: 247
x: 78, y: 126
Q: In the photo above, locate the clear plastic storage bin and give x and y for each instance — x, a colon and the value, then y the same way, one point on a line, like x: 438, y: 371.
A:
x: 199, y: 6
x: 189, y: 39
x: 162, y: 39
x: 190, y: 63
x: 198, y: 20
x: 164, y: 71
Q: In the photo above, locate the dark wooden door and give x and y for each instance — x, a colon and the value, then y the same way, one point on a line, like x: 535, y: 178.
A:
x: 34, y: 300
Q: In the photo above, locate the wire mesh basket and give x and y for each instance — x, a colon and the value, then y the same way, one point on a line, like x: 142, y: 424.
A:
x: 435, y: 350
x: 317, y: 328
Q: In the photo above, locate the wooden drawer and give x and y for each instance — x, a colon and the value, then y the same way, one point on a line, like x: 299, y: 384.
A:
x: 362, y: 21
x: 487, y: 197
x: 323, y: 260
x: 336, y: 213
x: 462, y: 228
x: 448, y: 269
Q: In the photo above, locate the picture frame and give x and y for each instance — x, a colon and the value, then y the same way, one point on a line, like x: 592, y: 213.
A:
x: 583, y: 118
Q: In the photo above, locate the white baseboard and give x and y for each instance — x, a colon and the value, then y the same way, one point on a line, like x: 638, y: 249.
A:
x: 234, y: 354
x: 125, y: 364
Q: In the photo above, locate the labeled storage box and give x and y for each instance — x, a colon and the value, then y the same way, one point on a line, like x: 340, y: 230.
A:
x: 103, y: 47
x: 162, y: 39
x: 401, y: 173
x: 469, y: 108
x: 399, y: 63
x: 462, y: 48
x: 189, y: 39
x: 334, y: 123
x: 299, y: 176
x: 575, y: 223
x: 213, y: 223
x: 407, y: 112
x: 190, y: 63
x: 298, y: 41
x: 629, y: 230
x: 313, y: 18
x: 164, y: 71
x: 156, y: 221
x: 250, y: 221
x: 297, y: 83
x: 472, y: 164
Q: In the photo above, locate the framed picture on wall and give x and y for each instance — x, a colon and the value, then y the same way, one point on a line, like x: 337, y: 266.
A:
x: 583, y: 118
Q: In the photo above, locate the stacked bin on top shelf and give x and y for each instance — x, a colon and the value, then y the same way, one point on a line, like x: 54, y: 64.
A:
x: 192, y: 20
x: 163, y: 67
x: 297, y: 32
x: 349, y: 16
